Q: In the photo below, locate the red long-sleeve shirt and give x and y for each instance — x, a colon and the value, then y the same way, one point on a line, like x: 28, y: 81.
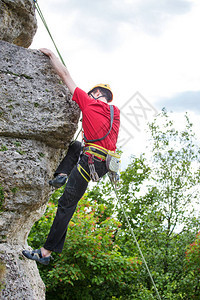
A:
x: 96, y: 119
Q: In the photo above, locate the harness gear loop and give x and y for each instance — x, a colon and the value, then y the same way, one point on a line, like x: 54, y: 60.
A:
x: 94, y: 152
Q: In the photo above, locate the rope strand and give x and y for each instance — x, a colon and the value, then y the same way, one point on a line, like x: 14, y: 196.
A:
x: 131, y: 231
x: 47, y: 28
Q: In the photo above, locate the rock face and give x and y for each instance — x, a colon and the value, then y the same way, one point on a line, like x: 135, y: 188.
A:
x: 37, y: 122
x: 18, y: 23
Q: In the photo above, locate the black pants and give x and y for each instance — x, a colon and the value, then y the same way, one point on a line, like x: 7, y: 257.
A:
x: 74, y: 190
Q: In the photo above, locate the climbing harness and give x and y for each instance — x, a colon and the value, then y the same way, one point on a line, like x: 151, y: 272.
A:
x: 134, y: 237
x: 94, y: 152
x: 112, y: 159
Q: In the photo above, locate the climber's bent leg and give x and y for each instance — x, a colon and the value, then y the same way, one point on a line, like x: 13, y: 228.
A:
x: 74, y: 190
x: 70, y: 160
x: 66, y: 165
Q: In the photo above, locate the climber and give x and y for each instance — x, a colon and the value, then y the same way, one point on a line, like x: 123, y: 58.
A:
x: 81, y: 164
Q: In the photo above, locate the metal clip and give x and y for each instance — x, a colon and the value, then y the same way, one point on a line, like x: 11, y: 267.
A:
x: 114, y: 178
x: 93, y: 174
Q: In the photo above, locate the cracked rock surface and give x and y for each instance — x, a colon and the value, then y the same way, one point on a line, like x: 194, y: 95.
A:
x: 38, y: 120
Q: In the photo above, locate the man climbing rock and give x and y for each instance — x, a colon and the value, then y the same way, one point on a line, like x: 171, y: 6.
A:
x: 100, y: 123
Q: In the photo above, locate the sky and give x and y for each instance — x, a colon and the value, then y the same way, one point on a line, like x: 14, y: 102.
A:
x: 147, y: 50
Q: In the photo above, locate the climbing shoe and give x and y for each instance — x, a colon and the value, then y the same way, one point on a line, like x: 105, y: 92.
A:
x: 37, y: 256
x: 58, y: 181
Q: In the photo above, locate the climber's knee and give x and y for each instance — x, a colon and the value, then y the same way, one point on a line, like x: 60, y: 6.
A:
x: 70, y: 197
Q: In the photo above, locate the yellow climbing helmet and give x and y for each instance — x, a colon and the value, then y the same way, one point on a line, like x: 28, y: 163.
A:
x: 104, y: 86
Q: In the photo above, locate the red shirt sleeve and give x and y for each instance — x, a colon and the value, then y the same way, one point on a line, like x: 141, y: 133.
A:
x: 81, y: 98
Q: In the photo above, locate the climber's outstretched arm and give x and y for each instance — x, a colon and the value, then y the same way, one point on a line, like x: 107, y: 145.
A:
x: 60, y: 69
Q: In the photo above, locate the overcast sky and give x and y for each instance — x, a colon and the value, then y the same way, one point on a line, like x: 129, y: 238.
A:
x: 147, y: 50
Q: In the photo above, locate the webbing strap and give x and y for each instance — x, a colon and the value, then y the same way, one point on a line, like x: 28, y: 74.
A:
x: 101, y: 154
x: 98, y: 147
x: 81, y: 170
x: 111, y: 123
x: 102, y: 157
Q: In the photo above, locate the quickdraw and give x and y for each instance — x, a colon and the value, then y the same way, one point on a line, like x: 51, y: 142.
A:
x: 93, y: 174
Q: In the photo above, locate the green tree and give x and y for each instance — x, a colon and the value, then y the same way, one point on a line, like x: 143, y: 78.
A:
x: 192, y: 267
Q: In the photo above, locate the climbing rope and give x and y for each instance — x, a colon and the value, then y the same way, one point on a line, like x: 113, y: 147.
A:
x: 134, y: 237
x: 47, y: 28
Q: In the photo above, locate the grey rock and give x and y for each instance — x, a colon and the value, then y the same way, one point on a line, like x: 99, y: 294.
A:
x: 32, y: 93
x: 38, y: 120
x: 18, y: 22
x: 22, y: 278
